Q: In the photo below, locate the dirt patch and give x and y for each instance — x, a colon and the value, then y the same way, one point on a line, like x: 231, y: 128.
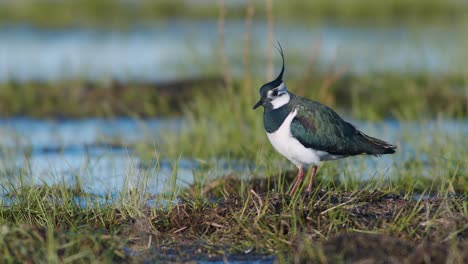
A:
x: 379, y: 248
x: 325, y: 226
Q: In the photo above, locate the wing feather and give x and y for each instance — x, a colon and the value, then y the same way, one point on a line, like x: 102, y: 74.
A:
x: 318, y: 127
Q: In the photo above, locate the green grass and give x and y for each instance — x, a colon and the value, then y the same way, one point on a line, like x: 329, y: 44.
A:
x: 121, y: 14
x: 369, y: 97
x: 80, y: 98
x: 47, y: 223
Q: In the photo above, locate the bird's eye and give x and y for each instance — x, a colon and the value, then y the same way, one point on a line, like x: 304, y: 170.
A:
x: 275, y: 93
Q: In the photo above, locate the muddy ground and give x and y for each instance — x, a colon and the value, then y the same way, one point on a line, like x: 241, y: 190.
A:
x: 229, y: 220
x: 325, y: 226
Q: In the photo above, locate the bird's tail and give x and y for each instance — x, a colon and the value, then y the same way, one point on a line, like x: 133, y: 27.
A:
x: 377, y: 147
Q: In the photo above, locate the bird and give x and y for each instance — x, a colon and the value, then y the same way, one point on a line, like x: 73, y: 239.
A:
x: 307, y: 132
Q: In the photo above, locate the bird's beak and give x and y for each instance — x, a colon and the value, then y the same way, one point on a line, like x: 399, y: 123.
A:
x: 259, y: 103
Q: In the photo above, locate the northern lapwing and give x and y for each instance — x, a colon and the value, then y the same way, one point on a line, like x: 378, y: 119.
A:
x: 307, y: 132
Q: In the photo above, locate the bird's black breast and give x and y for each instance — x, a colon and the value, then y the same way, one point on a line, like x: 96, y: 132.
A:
x: 274, y: 118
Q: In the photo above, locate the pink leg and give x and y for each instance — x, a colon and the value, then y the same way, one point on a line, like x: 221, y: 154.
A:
x: 312, y: 179
x: 298, y: 180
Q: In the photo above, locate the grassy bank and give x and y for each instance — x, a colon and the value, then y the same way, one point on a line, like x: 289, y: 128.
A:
x: 229, y: 219
x: 372, y: 97
x: 121, y: 14
x: 81, y: 99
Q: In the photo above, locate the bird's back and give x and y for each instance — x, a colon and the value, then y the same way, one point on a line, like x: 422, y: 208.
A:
x: 319, y: 127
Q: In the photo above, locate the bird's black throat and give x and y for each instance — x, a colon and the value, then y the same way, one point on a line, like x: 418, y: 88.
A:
x: 274, y: 118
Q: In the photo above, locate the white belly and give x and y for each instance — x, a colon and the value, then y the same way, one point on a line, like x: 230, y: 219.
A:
x: 291, y: 148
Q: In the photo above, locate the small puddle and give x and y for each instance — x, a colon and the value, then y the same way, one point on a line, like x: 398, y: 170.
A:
x: 172, y: 255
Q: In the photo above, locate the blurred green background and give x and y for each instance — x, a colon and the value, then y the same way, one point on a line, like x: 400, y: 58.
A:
x: 378, y: 59
x: 121, y: 13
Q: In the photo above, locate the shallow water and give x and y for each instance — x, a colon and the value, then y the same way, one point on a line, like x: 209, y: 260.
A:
x: 38, y: 152
x: 164, y: 257
x: 58, y: 152
x: 169, y: 49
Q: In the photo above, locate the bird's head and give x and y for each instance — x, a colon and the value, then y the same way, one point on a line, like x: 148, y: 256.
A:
x: 274, y: 94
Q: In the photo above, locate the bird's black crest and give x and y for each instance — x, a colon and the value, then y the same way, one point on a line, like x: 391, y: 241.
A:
x: 276, y: 82
x: 280, y: 49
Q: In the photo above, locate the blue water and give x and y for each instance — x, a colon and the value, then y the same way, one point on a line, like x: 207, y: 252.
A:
x: 183, y: 48
x: 38, y: 152
x: 55, y: 152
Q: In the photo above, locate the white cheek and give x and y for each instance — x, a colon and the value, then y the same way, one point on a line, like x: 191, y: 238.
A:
x: 280, y: 100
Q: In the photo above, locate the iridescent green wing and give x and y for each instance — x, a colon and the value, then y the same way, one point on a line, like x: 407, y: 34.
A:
x: 318, y: 127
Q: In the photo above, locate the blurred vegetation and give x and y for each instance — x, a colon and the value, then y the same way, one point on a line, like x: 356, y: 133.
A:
x: 50, y: 13
x: 81, y: 98
x: 370, y: 97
